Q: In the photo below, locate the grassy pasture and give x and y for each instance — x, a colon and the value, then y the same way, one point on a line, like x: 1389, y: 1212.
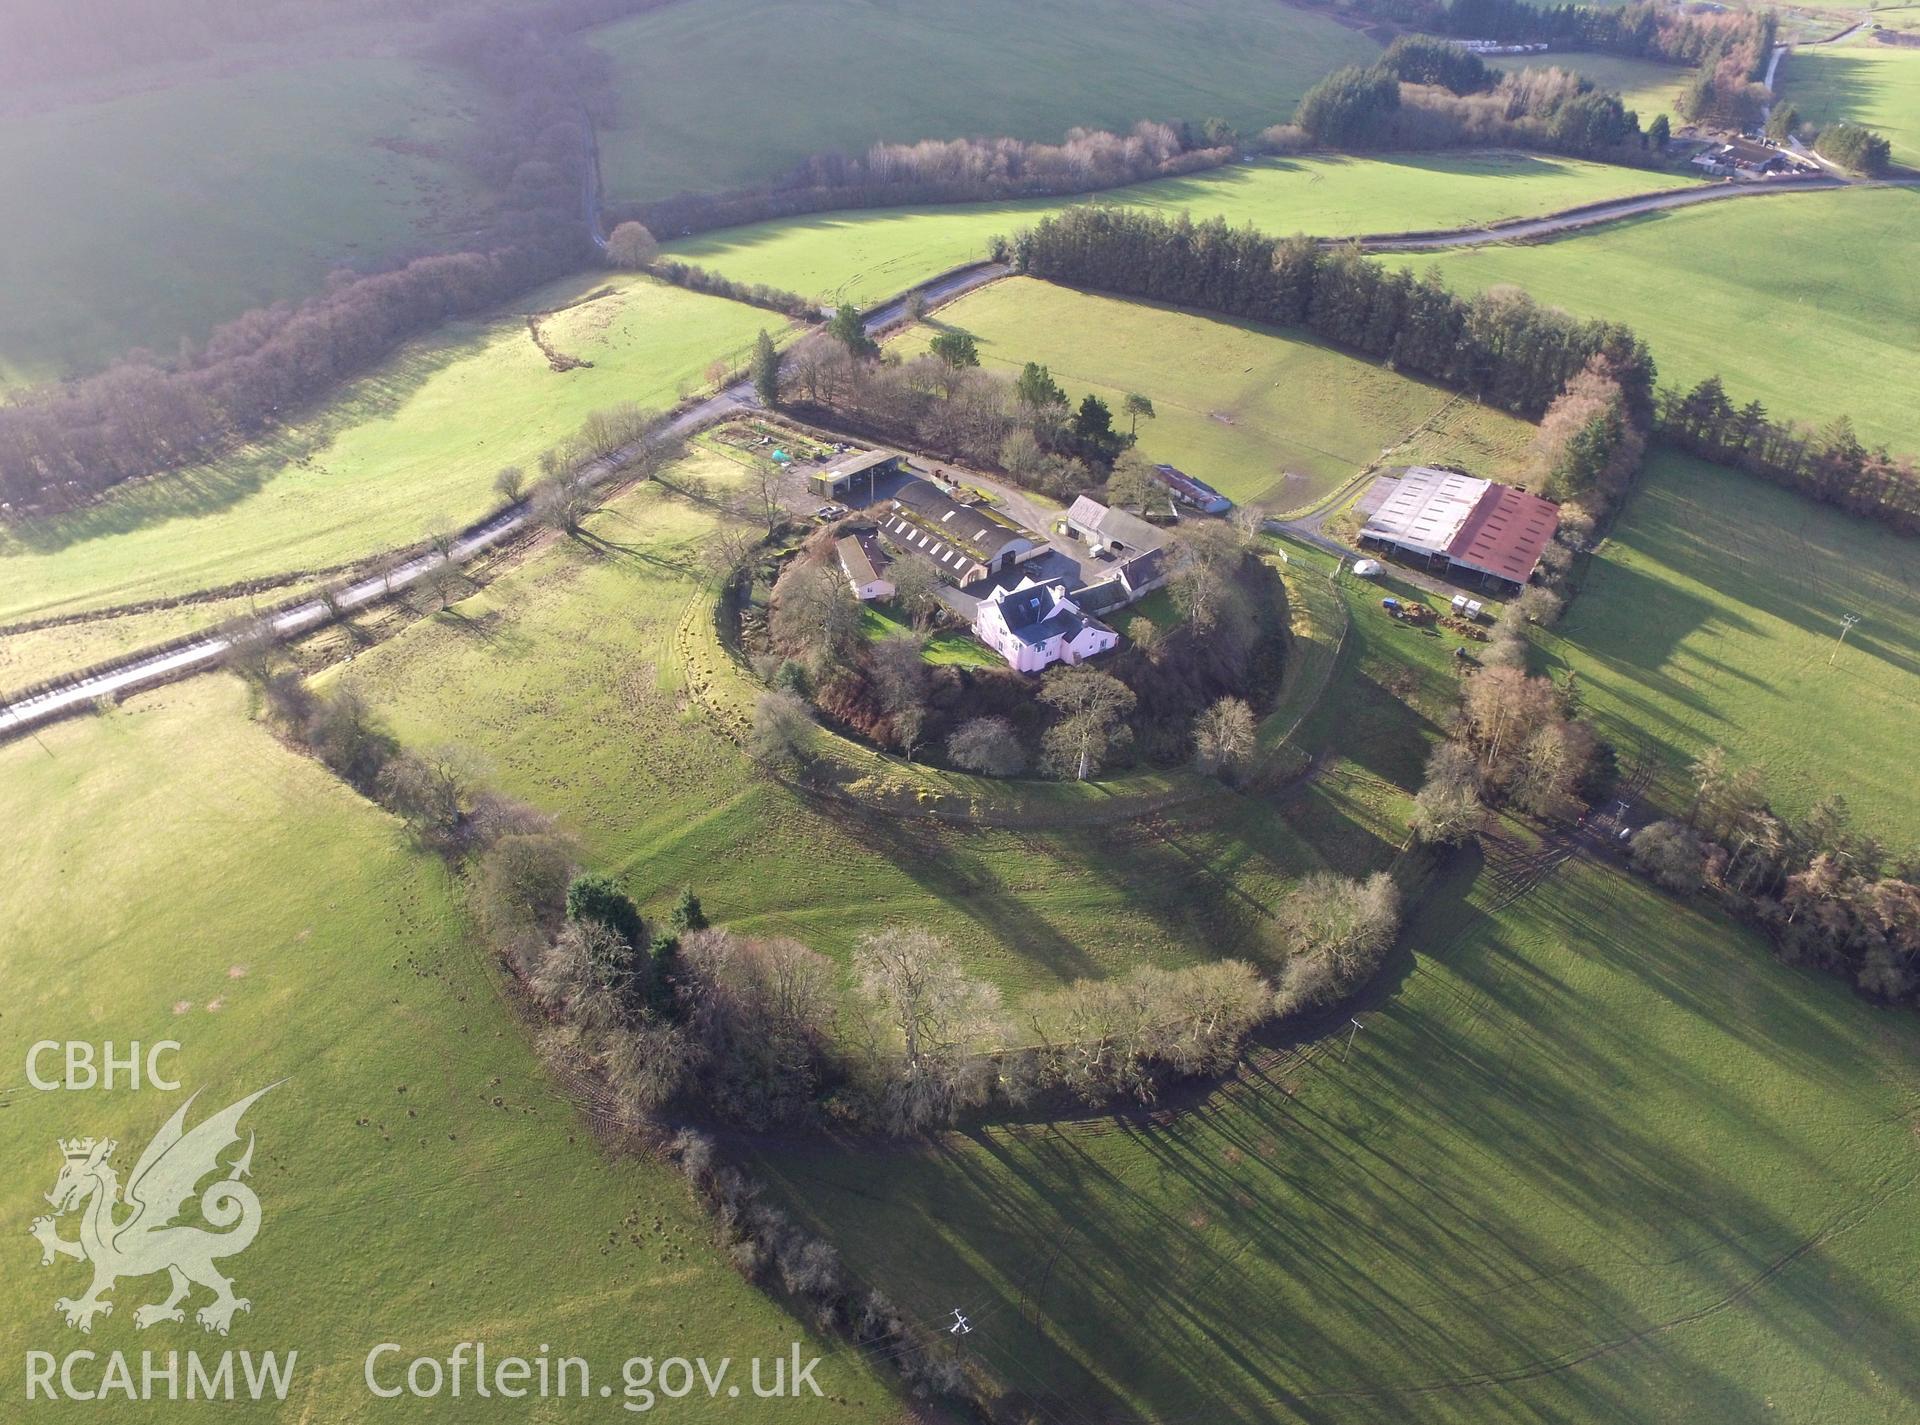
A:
x: 565, y: 675
x: 737, y: 91
x: 868, y: 254
x: 1593, y: 1157
x: 175, y: 873
x: 412, y: 444
x: 1264, y: 417
x: 148, y: 218
x: 1710, y: 617
x: 1862, y: 80
x: 29, y: 655
x: 1814, y: 321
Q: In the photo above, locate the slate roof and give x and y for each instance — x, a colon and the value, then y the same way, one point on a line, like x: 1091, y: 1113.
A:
x: 1027, y: 618
x: 1116, y: 527
x: 859, y: 558
x: 975, y: 530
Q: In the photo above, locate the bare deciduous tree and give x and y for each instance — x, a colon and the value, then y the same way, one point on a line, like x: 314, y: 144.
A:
x: 988, y: 745
x: 1093, y: 707
x: 926, y: 1024
x: 632, y: 246
x: 1224, y: 736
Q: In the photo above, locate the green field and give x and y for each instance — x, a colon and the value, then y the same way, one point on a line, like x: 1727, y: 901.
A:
x: 865, y: 255
x: 1863, y: 81
x: 730, y: 92
x: 1594, y: 1157
x: 1710, y: 617
x: 1805, y: 302
x: 421, y: 1182
x: 568, y: 676
x: 29, y: 655
x: 144, y: 220
x: 413, y: 445
x: 1264, y: 417
x: 1645, y: 86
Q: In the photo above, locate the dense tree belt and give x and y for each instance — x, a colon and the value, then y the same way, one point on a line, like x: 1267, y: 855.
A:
x: 1426, y: 94
x: 1497, y: 346
x: 1829, y: 465
x: 946, y: 171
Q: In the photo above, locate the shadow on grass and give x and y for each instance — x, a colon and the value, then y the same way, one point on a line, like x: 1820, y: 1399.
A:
x: 1457, y: 1222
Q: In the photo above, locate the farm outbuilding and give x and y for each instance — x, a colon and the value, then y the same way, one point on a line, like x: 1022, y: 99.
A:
x: 966, y: 541
x: 1196, y: 494
x: 1111, y: 532
x: 865, y: 565
x: 855, y: 474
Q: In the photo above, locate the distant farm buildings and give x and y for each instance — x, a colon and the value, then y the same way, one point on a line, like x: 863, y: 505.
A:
x: 1034, y: 626
x: 967, y: 541
x: 1470, y: 527
x: 1749, y: 158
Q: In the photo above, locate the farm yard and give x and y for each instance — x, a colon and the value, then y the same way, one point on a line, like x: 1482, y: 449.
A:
x: 396, y: 454
x: 688, y: 74
x: 1831, y: 299
x: 1591, y: 1156
x: 224, y: 193
x: 1710, y: 617
x: 1863, y: 81
x: 286, y: 931
x: 864, y: 255
x: 1266, y: 418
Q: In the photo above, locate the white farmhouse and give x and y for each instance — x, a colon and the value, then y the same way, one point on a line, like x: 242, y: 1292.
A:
x: 1034, y: 625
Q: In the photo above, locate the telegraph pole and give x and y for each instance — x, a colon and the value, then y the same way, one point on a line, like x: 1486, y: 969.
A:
x: 1847, y: 622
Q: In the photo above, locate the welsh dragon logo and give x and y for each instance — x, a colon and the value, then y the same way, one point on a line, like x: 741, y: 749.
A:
x: 146, y: 1239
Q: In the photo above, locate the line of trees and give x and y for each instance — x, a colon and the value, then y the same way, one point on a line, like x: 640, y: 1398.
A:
x: 1830, y: 465
x: 1643, y: 30
x: 944, y: 401
x: 754, y: 294
x: 1425, y: 94
x: 1499, y: 346
x: 949, y: 171
x: 1828, y: 894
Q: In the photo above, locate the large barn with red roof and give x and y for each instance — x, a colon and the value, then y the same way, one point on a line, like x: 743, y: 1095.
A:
x: 1475, y: 529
